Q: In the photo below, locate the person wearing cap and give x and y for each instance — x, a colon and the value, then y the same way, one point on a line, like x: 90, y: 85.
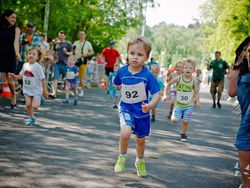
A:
x: 239, y: 84
x: 111, y: 57
x: 82, y: 49
x: 151, y: 62
x: 63, y: 49
x: 29, y: 39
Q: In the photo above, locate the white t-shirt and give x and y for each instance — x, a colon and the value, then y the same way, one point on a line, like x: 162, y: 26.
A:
x: 86, y: 48
x: 32, y: 75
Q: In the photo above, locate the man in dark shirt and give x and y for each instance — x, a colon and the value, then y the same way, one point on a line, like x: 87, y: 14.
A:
x: 219, y: 67
x: 62, y: 49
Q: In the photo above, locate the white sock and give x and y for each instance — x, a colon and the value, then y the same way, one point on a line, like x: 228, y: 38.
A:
x: 138, y: 159
x: 123, y: 155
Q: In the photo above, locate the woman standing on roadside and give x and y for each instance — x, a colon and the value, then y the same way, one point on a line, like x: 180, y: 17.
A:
x: 9, y: 49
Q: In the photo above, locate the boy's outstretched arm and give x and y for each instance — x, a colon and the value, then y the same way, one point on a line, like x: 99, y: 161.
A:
x: 12, y: 75
x: 148, y: 106
x: 167, y: 88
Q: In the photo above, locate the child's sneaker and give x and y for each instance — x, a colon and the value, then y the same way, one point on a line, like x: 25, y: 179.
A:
x: 115, y: 107
x: 121, y: 164
x: 30, y: 121
x: 141, y: 169
x: 66, y: 101
x: 183, y: 138
x: 75, y: 102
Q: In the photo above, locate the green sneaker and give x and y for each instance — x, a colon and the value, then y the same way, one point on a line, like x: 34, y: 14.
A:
x: 121, y: 164
x: 141, y: 169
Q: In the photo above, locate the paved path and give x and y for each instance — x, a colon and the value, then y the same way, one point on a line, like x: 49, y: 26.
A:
x: 77, y: 147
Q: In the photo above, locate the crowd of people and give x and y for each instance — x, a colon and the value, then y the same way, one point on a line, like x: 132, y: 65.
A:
x: 134, y: 87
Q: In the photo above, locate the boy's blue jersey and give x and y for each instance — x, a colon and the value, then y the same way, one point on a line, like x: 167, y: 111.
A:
x: 70, y: 76
x: 135, y: 89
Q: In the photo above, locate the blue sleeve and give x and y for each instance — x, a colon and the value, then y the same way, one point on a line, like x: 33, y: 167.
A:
x: 153, y: 85
x: 117, y: 80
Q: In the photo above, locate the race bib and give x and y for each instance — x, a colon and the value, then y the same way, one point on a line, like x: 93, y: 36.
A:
x: 29, y: 82
x: 184, y: 97
x: 70, y: 75
x: 133, y: 93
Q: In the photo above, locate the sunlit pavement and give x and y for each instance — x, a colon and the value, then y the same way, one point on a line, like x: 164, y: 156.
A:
x: 77, y: 147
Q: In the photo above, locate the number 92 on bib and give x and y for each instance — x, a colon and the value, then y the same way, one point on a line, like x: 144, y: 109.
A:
x: 133, y: 93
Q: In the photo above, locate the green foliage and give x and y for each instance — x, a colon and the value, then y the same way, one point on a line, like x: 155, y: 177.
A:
x: 104, y: 20
x: 226, y: 24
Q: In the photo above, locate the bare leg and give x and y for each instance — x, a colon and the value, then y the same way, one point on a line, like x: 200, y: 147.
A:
x: 29, y: 107
x: 54, y: 87
x: 171, y: 108
x: 153, y: 111
x: 140, y: 146
x: 12, y: 87
x: 184, y: 127
x: 125, y: 134
x: 244, y: 157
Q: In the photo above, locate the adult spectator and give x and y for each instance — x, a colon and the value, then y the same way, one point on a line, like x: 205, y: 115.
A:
x: 151, y: 62
x: 63, y: 50
x: 111, y: 57
x: 9, y: 49
x: 82, y: 50
x: 28, y: 39
x: 239, y: 83
x: 219, y: 67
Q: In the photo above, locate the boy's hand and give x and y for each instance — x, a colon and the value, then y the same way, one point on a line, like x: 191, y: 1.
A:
x: 164, y: 98
x: 145, y: 107
x: 45, y: 94
x: 197, y: 104
x: 11, y: 75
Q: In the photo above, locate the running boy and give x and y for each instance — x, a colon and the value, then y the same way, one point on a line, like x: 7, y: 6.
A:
x: 34, y: 84
x: 155, y: 69
x: 71, y: 80
x: 172, y: 93
x: 185, y: 88
x: 113, y: 93
x: 135, y: 82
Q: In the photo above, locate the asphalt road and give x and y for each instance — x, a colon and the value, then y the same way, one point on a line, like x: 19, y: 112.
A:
x: 77, y: 147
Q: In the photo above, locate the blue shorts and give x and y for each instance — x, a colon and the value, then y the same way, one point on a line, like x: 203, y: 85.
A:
x: 243, y: 93
x: 59, y: 69
x: 140, y: 126
x: 182, y: 112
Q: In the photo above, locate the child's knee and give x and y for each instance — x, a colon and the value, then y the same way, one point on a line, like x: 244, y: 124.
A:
x: 140, y: 141
x: 125, y: 132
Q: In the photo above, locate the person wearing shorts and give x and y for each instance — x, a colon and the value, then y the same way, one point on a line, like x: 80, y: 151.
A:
x: 135, y: 82
x: 82, y: 49
x: 63, y: 50
x: 185, y: 89
x: 219, y: 67
x: 71, y: 80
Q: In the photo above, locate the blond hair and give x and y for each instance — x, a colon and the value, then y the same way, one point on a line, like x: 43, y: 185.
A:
x: 155, y: 67
x: 143, y: 41
x: 189, y: 61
